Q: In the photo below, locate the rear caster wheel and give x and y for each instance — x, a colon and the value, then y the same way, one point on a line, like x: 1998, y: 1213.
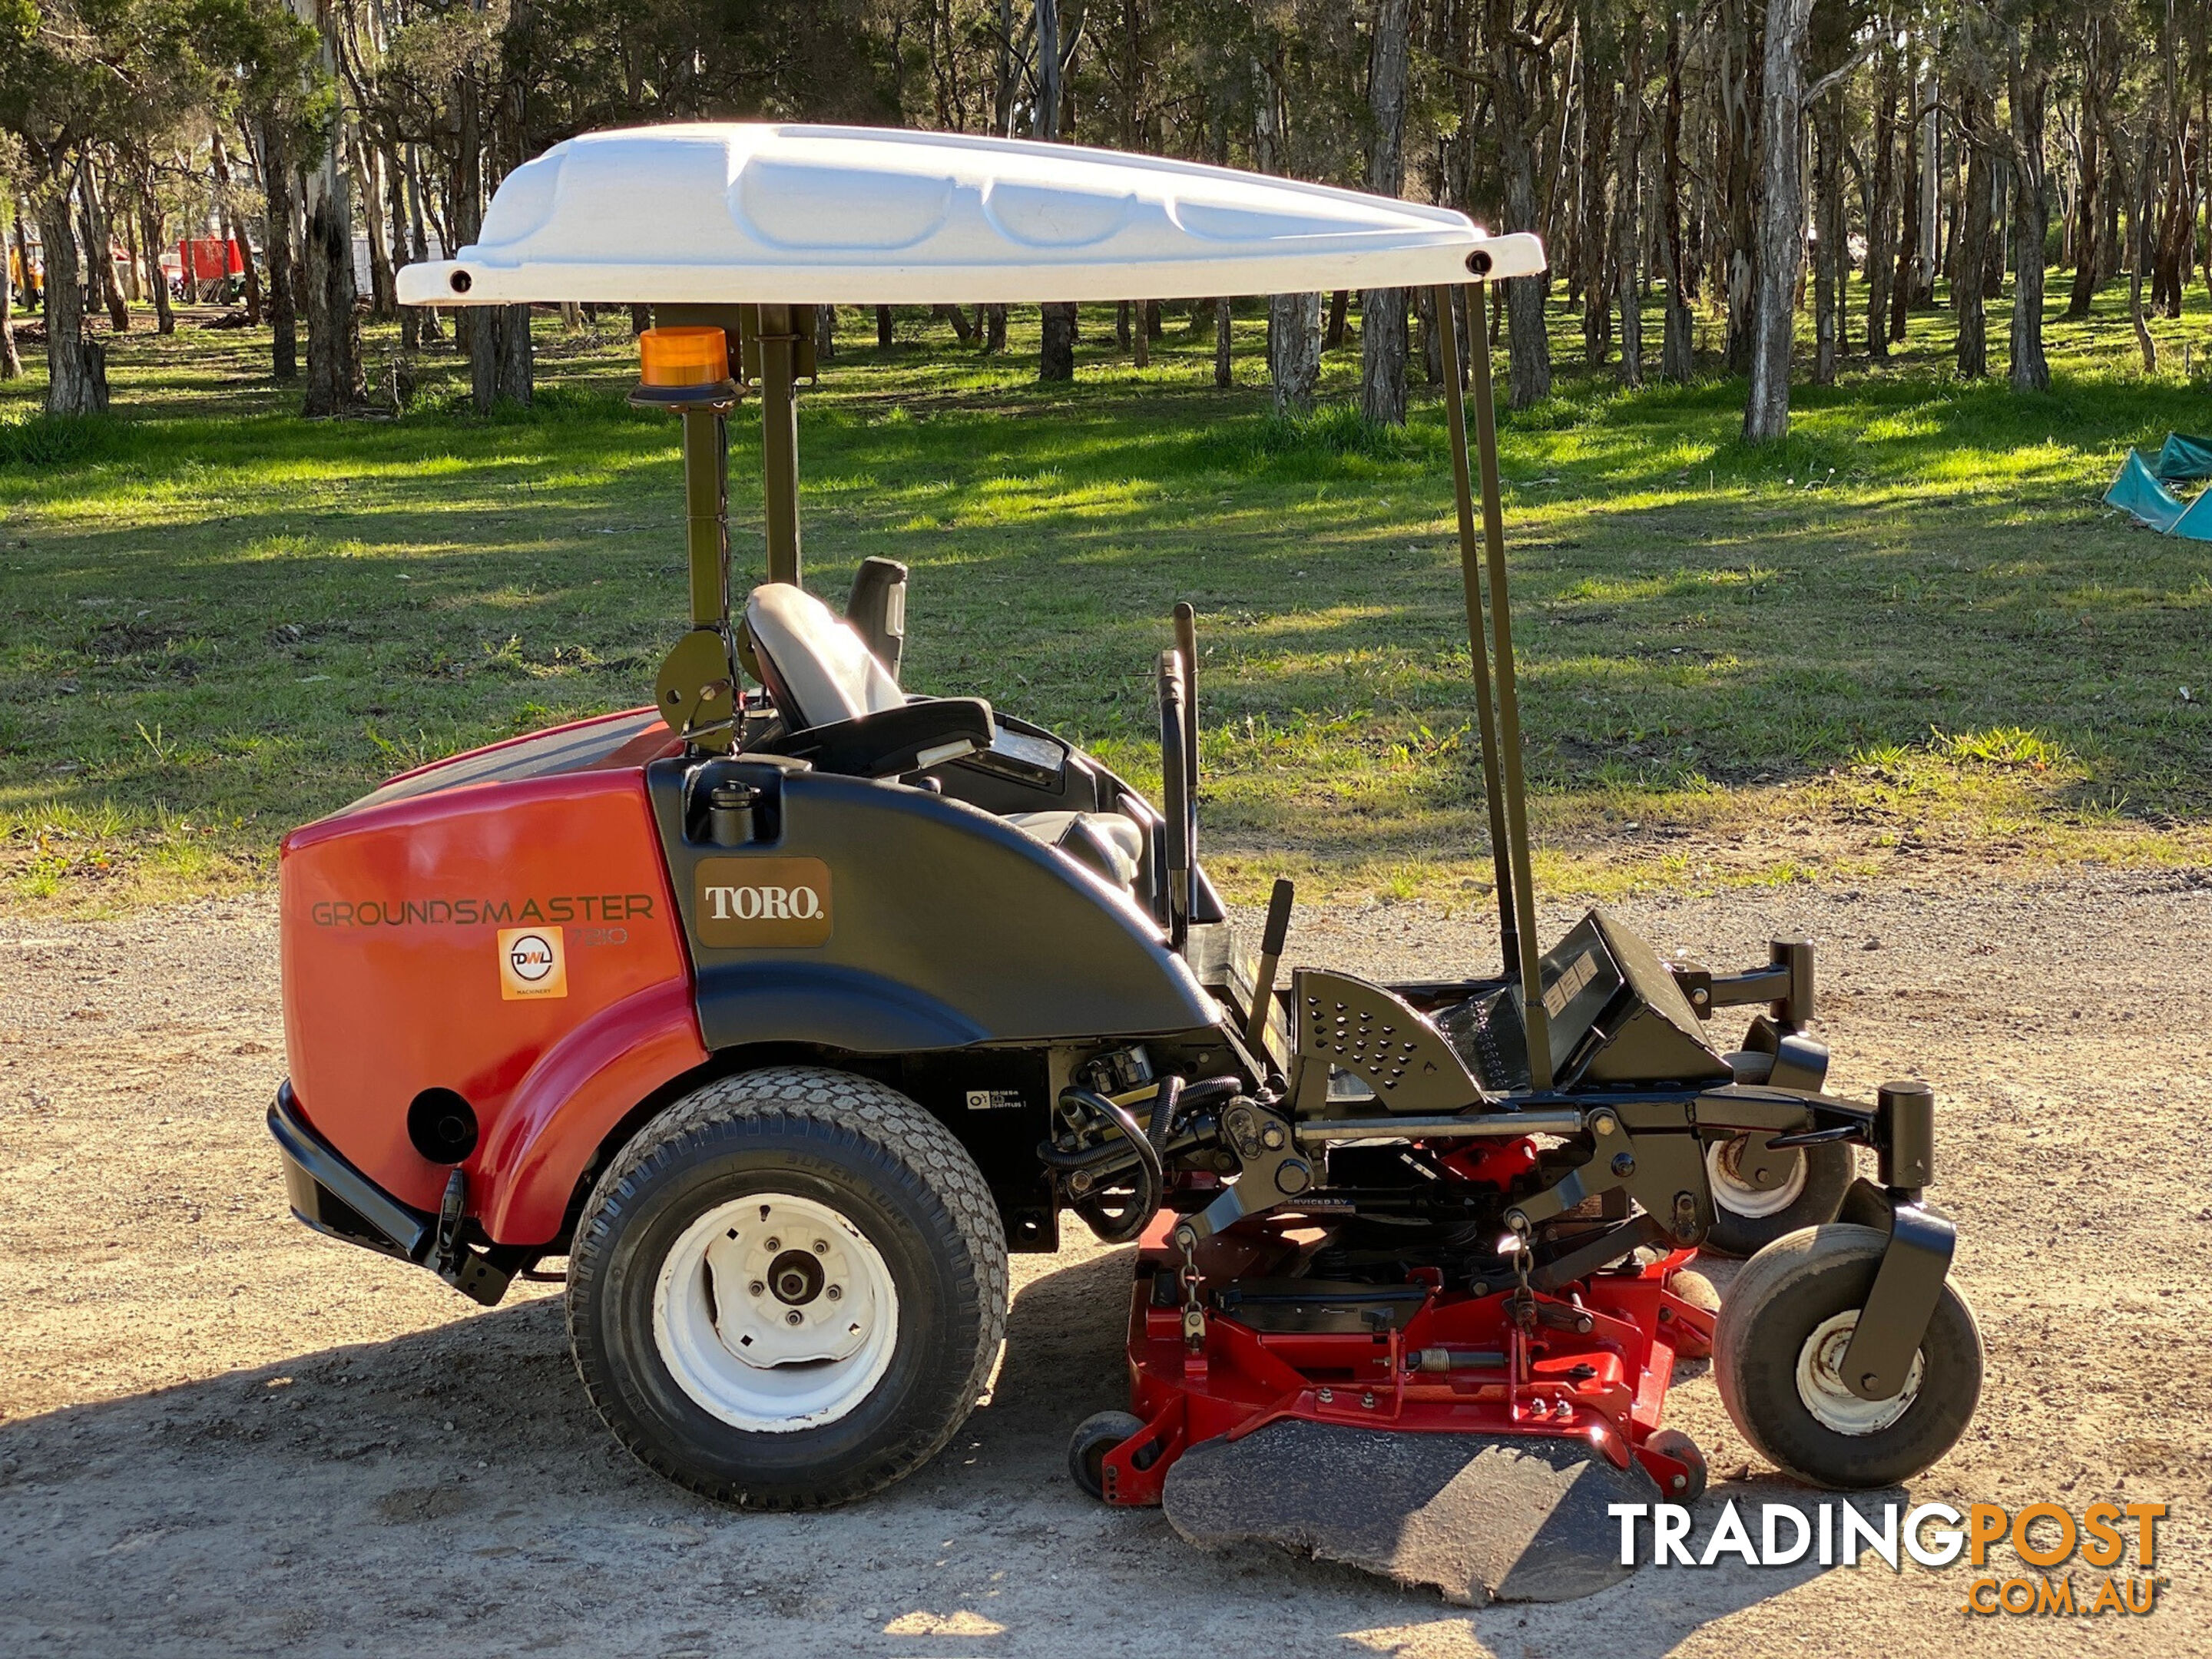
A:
x: 1673, y: 1443
x: 1777, y: 1351
x: 1094, y: 1437
x: 787, y: 1291
x: 1749, y: 1215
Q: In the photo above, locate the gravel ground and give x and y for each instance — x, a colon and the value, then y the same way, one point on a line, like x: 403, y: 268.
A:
x: 220, y: 1434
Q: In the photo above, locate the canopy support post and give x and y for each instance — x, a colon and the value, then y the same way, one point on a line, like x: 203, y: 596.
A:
x: 779, y: 441
x: 707, y: 513
x: 1534, y: 1018
x: 1470, y: 572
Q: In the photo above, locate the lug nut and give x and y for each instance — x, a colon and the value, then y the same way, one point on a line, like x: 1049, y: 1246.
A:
x: 821, y: 1247
x: 758, y: 1288
x: 834, y: 1291
x: 794, y: 1317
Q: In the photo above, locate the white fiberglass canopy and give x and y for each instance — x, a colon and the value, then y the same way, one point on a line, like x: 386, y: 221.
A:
x: 752, y: 213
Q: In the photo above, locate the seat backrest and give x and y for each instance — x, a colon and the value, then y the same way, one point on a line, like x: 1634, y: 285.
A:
x: 816, y: 668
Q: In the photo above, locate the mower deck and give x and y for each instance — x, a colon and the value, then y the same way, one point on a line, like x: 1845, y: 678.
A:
x: 1591, y: 1366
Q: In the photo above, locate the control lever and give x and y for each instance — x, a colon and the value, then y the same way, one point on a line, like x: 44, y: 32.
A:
x: 1186, y: 632
x: 1273, y: 938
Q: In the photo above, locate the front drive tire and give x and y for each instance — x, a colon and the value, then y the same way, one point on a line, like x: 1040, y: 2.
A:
x: 787, y: 1290
x: 1781, y: 1329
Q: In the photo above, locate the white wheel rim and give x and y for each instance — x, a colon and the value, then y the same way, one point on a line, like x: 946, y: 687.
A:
x: 1820, y: 1382
x: 723, y: 1307
x: 1737, y: 1195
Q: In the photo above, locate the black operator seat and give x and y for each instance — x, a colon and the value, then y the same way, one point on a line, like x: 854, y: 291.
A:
x: 820, y: 672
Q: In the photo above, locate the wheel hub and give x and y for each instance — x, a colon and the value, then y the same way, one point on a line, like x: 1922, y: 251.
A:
x: 1820, y: 1382
x: 1737, y: 1192
x: 775, y: 1312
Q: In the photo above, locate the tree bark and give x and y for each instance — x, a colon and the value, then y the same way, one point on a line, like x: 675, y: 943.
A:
x: 334, y: 374
x: 77, y: 369
x: 2088, y: 209
x: 2029, y: 79
x: 1332, y: 335
x: 11, y: 359
x: 1627, y: 213
x: 151, y: 230
x: 1382, y: 310
x: 1977, y: 131
x: 1781, y: 220
x: 825, y: 333
x: 1222, y: 376
x: 1593, y: 248
x: 283, y: 311
x: 1294, y: 350
x: 99, y: 248
x: 1741, y: 98
x: 1678, y: 346
x: 518, y: 359
x: 383, y: 290
x: 1882, y: 209
x: 1528, y: 346
x: 1056, y: 356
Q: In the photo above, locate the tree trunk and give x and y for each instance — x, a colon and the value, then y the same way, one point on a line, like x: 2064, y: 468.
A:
x: 1678, y: 348
x: 1383, y: 311
x: 1977, y: 131
x: 233, y: 230
x: 2029, y: 79
x: 1627, y: 210
x: 1593, y: 231
x: 284, y: 309
x: 151, y: 231
x: 1140, y: 342
x: 1221, y: 321
x: 77, y: 369
x: 334, y: 375
x: 1781, y: 220
x: 1056, y: 356
x: 2139, y: 254
x: 825, y: 333
x: 1882, y: 209
x: 518, y: 359
x: 1740, y: 125
x: 99, y: 248
x: 1332, y: 335
x: 994, y: 328
x: 1432, y: 348
x: 2088, y: 209
x: 1528, y: 348
x: 1294, y: 350
x: 11, y: 359
x: 383, y: 290
x: 395, y: 192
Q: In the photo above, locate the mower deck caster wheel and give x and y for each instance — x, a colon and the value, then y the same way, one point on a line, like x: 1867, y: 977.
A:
x: 788, y: 1289
x: 1777, y: 1349
x: 1094, y: 1436
x: 1673, y: 1443
x: 1748, y: 1217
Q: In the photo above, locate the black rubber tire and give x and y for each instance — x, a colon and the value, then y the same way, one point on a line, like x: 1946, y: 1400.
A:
x: 1673, y: 1443
x: 879, y: 1159
x: 1783, y: 1295
x: 1828, y: 1174
x: 1094, y: 1436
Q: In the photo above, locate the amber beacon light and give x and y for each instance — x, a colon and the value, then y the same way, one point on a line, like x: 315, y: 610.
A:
x: 683, y: 365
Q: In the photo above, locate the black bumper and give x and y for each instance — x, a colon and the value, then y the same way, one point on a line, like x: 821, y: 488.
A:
x: 333, y: 1197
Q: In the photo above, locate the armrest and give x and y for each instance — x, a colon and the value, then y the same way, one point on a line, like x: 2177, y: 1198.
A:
x: 911, y: 738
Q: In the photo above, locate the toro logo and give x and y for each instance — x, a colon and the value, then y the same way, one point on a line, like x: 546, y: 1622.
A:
x: 532, y: 963
x: 751, y: 903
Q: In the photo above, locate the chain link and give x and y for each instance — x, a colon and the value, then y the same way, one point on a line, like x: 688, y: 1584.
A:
x: 1194, y: 1311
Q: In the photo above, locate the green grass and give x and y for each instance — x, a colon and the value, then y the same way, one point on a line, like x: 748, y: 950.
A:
x: 1911, y: 628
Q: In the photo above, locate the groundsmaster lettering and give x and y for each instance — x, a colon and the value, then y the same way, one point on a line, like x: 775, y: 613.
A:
x: 403, y: 912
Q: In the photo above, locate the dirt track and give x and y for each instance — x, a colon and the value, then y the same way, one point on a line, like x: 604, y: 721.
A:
x: 220, y: 1434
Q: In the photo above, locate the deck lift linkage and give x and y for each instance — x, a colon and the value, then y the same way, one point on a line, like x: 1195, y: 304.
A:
x: 873, y: 987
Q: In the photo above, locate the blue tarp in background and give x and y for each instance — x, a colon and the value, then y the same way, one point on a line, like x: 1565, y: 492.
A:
x: 2140, y: 490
